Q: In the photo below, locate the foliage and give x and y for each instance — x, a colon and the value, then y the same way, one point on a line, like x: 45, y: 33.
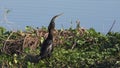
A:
x: 75, y: 48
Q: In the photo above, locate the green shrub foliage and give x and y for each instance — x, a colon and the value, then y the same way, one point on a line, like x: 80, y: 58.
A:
x: 75, y: 48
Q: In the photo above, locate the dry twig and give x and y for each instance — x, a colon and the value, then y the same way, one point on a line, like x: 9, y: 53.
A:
x: 112, y: 26
x: 7, y: 40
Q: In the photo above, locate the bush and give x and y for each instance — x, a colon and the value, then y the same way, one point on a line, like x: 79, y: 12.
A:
x: 74, y: 48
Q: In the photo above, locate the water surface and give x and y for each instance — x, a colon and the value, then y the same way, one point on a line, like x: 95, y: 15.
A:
x: 91, y: 13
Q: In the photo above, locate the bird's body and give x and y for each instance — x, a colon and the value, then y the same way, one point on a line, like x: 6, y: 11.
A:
x: 47, y: 46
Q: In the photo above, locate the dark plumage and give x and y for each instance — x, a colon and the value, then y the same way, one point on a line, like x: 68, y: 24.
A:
x: 47, y: 46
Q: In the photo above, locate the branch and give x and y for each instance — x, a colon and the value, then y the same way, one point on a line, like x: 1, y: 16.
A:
x: 7, y: 40
x: 112, y: 26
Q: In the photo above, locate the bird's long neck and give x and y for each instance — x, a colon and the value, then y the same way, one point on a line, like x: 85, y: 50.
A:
x: 52, y: 26
x: 50, y: 36
x: 52, y: 22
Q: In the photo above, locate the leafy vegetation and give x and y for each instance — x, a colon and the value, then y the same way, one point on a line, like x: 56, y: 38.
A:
x: 74, y: 48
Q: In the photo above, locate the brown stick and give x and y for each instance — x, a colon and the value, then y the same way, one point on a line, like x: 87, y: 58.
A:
x: 73, y: 46
x: 7, y: 40
x: 112, y: 26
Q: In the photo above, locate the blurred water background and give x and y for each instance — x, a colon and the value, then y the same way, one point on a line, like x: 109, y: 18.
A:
x: 98, y: 14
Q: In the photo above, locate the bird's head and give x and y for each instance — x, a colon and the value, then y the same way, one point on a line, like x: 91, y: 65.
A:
x: 52, y: 23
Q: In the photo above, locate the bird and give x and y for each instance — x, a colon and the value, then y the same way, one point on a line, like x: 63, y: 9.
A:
x: 47, y: 45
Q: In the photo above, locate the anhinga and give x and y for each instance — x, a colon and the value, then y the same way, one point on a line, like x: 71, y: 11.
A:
x: 47, y: 46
